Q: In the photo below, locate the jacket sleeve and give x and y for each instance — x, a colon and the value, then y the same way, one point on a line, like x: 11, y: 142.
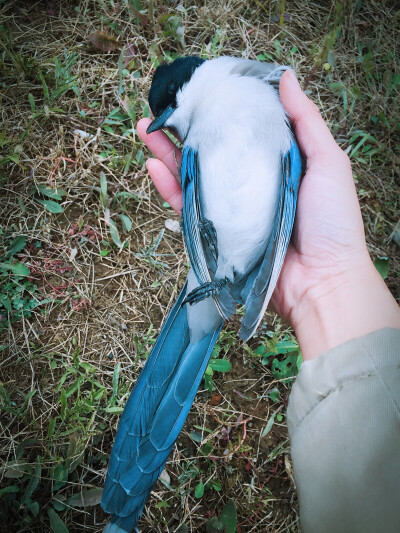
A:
x: 344, y: 426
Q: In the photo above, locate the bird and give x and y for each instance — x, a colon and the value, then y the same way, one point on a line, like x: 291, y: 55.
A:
x: 240, y: 174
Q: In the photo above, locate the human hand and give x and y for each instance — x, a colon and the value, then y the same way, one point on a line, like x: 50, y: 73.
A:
x: 328, y: 284
x: 328, y: 289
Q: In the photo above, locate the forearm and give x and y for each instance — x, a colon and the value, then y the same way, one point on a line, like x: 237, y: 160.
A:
x: 342, y: 308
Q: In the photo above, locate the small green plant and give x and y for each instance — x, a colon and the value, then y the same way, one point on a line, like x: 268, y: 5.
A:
x: 216, y: 46
x: 123, y: 120
x: 349, y: 96
x: 382, y: 266
x: 126, y: 222
x: 51, y: 198
x: 22, y: 65
x: 363, y: 146
x: 189, y: 471
x: 217, y: 364
x: 14, y: 150
x: 275, y: 416
x: 278, y: 53
x: 144, y: 343
x: 171, y: 24
x: 283, y: 355
x: 227, y: 521
x: 18, y: 294
x: 150, y: 254
x: 58, y: 80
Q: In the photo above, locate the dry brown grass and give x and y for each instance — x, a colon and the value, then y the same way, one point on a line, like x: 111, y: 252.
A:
x: 104, y: 310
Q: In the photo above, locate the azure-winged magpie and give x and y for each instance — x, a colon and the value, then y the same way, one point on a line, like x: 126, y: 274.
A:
x: 240, y: 176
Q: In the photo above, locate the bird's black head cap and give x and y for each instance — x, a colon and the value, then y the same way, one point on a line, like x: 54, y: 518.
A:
x: 168, y: 79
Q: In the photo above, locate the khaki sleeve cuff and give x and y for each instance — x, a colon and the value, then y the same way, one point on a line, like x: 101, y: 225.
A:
x: 344, y: 425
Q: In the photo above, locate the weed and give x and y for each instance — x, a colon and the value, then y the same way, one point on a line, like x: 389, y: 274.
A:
x: 283, y: 355
x: 126, y: 222
x: 150, y: 254
x: 349, y: 96
x: 172, y: 26
x: 363, y: 146
x: 227, y: 521
x: 14, y: 151
x: 15, y: 63
x: 19, y: 295
x: 382, y: 266
x: 58, y: 79
x: 144, y: 343
x: 216, y: 364
x: 50, y: 196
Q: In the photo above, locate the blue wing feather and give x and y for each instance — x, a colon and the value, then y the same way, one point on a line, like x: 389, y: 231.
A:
x: 191, y: 216
x: 203, y: 258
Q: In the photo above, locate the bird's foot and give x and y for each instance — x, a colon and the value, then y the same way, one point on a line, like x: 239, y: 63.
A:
x: 204, y: 291
x: 208, y: 232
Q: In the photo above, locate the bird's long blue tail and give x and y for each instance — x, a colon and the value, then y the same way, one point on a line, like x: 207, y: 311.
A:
x: 154, y: 416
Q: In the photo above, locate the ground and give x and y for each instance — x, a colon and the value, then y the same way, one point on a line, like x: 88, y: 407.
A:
x: 89, y: 266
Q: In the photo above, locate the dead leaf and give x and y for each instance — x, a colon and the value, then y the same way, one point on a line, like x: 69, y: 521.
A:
x: 72, y: 254
x: 165, y: 476
x: 143, y: 19
x: 102, y: 41
x: 129, y: 52
x: 215, y: 399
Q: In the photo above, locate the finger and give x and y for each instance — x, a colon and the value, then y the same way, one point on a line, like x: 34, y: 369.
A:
x: 313, y: 134
x: 166, y: 184
x: 161, y: 146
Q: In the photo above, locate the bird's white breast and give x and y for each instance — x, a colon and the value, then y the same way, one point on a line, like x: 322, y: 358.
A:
x: 239, y: 128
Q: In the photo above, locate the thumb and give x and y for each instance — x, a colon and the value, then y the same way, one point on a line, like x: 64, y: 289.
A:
x: 312, y: 133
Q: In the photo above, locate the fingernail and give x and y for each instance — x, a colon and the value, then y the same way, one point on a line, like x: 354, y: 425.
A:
x: 293, y: 80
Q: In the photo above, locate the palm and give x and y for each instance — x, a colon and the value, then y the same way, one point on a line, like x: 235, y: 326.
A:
x: 328, y: 234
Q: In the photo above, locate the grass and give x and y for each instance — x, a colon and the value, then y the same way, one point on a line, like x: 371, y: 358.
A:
x: 88, y: 268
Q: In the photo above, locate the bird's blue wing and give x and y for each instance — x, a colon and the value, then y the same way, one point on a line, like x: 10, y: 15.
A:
x: 262, y: 281
x: 192, y: 217
x: 199, y: 233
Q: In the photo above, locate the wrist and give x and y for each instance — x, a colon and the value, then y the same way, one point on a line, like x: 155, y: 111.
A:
x: 352, y: 303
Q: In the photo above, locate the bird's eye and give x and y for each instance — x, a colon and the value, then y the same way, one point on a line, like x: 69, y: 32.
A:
x: 171, y: 87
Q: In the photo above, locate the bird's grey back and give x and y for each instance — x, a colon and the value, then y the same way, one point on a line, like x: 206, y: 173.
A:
x: 269, y: 72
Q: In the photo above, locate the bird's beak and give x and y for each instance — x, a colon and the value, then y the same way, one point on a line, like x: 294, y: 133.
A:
x: 159, y: 122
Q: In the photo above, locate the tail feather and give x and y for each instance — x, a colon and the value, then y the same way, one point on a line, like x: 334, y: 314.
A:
x: 127, y: 441
x: 149, y: 457
x: 125, y: 503
x: 154, y: 416
x: 176, y: 404
x: 138, y: 484
x: 121, y: 524
x: 116, y: 469
x: 173, y: 344
x: 193, y: 367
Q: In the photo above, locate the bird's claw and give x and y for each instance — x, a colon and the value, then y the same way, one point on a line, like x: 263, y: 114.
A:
x: 204, y: 291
